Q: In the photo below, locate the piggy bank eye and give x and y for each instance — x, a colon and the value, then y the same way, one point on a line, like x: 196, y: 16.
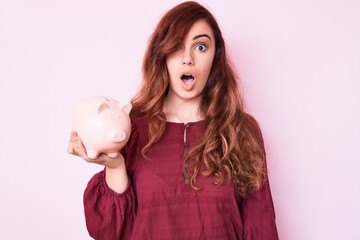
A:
x: 119, y: 117
x: 112, y: 117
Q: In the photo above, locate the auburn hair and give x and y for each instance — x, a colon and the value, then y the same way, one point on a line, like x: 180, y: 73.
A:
x: 232, y: 148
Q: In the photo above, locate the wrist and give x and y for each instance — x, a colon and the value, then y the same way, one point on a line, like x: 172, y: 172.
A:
x: 116, y: 163
x: 116, y: 176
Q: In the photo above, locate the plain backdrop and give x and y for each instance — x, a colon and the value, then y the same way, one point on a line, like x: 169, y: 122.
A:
x: 299, y: 68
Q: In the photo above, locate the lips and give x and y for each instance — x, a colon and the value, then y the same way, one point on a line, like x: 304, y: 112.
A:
x: 187, y: 78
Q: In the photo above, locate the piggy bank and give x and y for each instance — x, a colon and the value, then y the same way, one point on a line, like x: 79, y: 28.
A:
x: 103, y: 125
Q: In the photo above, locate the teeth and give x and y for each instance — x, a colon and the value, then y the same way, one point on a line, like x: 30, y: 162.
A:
x: 186, y: 76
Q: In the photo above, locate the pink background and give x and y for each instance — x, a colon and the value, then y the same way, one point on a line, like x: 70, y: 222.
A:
x: 299, y: 62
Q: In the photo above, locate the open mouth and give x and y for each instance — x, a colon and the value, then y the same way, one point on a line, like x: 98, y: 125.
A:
x: 187, y: 78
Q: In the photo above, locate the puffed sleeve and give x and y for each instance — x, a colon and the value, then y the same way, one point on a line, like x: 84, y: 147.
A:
x: 257, y: 209
x: 258, y: 215
x: 110, y: 215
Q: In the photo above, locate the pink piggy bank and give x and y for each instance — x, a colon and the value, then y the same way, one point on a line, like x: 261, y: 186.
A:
x: 103, y: 125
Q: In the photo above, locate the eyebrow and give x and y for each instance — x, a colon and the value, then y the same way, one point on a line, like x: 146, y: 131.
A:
x: 202, y: 35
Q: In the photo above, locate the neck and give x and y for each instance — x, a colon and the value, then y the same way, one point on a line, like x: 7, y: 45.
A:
x: 182, y: 111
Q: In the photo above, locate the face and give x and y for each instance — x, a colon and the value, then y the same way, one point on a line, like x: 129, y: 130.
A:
x: 190, y: 65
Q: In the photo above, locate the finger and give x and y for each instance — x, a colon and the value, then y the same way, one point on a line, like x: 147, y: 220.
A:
x: 84, y: 156
x: 73, y: 136
x: 76, y: 149
x: 100, y: 159
x: 108, y: 161
x: 70, y: 148
x: 76, y: 143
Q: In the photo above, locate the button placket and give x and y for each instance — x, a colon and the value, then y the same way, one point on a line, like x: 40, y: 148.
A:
x: 186, y: 145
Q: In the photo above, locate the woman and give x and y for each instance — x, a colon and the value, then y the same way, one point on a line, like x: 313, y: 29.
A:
x: 195, y: 163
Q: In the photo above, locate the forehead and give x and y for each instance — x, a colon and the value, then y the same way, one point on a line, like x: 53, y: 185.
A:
x: 198, y: 28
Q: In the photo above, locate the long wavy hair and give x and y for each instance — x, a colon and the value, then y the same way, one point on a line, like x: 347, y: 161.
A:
x: 232, y: 148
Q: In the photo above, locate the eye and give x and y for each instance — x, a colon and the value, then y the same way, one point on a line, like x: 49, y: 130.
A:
x: 201, y: 47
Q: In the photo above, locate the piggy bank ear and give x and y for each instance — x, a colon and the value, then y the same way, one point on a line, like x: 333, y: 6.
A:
x: 127, y: 107
x: 101, y: 107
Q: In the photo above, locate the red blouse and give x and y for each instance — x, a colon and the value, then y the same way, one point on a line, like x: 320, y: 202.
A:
x: 159, y: 204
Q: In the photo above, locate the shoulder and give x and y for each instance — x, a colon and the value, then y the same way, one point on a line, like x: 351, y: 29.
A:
x: 139, y: 124
x: 139, y: 121
x: 252, y: 122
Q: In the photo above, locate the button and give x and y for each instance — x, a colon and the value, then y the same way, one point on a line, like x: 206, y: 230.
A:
x: 186, y: 144
x: 186, y: 181
x: 187, y: 125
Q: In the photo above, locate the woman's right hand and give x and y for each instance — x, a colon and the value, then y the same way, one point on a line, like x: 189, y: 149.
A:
x: 76, y: 147
x: 116, y: 176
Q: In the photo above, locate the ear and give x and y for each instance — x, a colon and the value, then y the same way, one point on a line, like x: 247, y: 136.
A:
x: 101, y: 107
x: 127, y: 107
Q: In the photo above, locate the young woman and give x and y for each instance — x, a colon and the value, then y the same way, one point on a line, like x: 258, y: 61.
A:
x: 194, y: 167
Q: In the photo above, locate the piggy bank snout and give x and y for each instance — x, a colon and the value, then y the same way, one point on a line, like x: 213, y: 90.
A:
x: 103, y: 125
x: 118, y: 136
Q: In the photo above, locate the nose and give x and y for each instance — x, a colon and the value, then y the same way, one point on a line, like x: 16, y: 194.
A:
x: 187, y: 58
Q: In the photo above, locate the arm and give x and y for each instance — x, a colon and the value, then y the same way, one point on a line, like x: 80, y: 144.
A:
x: 258, y: 215
x: 257, y: 209
x: 109, y: 215
x: 109, y: 199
